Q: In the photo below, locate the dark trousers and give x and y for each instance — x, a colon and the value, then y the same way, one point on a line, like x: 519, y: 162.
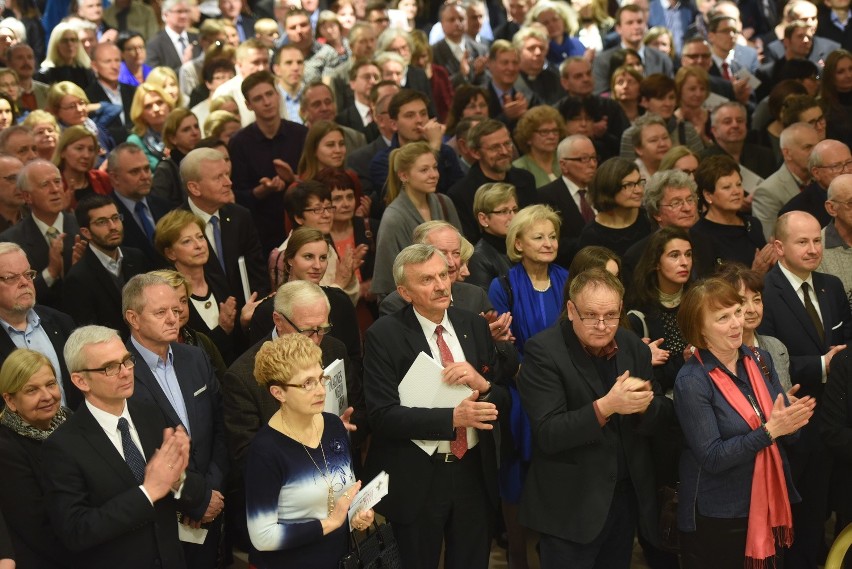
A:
x: 718, y: 543
x: 613, y: 547
x: 456, y: 513
x: 205, y: 555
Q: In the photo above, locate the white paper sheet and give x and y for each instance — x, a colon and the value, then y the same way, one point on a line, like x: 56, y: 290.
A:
x: 369, y: 495
x: 336, y: 398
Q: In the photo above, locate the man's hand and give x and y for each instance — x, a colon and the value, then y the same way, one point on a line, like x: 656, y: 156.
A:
x: 742, y: 91
x: 830, y: 354
x: 433, y: 132
x: 79, y: 249
x: 283, y: 170
x: 228, y: 314
x: 628, y: 395
x: 462, y: 373
x: 214, y: 507
x: 55, y: 263
x: 269, y: 186
x: 247, y: 311
x: 475, y: 414
x: 164, y: 469
x: 515, y: 107
x: 479, y: 65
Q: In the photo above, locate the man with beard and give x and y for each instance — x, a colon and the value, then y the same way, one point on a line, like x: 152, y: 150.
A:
x: 92, y: 291
x: 27, y: 325
x: 491, y: 145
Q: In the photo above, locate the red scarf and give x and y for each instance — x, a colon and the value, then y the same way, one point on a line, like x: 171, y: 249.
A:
x: 769, y: 519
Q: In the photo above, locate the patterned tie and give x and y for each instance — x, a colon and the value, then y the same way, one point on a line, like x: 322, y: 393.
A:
x: 183, y: 44
x: 585, y: 209
x: 142, y: 213
x: 217, y: 238
x: 52, y: 233
x: 459, y: 445
x: 812, y: 313
x: 132, y: 456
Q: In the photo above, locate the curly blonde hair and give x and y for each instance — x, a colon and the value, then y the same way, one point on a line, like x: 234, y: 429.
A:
x: 279, y: 360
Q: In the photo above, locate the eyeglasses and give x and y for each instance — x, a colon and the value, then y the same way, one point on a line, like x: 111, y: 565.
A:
x: 311, y: 384
x: 112, y: 369
x: 697, y: 55
x: 320, y: 331
x: 505, y: 211
x: 104, y: 221
x: 13, y: 279
x: 580, y: 159
x: 640, y: 183
x: 321, y: 210
x: 837, y: 167
x: 812, y: 122
x: 843, y: 204
x: 678, y: 204
x: 499, y: 146
x: 547, y: 132
x: 592, y: 321
x: 134, y: 48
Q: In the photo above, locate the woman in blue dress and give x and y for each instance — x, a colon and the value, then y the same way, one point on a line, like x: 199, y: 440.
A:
x: 299, y: 480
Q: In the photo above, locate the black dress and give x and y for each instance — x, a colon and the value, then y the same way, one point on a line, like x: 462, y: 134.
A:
x: 730, y: 242
x: 616, y: 240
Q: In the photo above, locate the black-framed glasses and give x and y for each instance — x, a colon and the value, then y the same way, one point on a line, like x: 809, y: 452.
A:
x: 13, y: 279
x: 104, y: 221
x: 309, y: 332
x: 580, y: 159
x: 678, y: 204
x: 592, y: 321
x: 112, y: 369
x: 310, y: 384
x: 837, y: 167
x: 321, y: 209
x: 816, y: 121
x: 640, y: 183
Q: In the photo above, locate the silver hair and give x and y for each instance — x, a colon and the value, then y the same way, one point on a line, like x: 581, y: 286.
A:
x: 421, y: 232
x: 23, y: 181
x: 191, y: 165
x: 641, y: 123
x: 728, y: 105
x: 7, y: 247
x: 84, y: 336
x: 133, y: 293
x: 298, y: 293
x: 792, y: 132
x: 568, y: 142
x: 656, y: 187
x: 413, y: 255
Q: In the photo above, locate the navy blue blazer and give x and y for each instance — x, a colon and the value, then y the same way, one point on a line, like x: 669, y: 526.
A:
x: 133, y: 234
x: 208, y: 455
x: 784, y: 317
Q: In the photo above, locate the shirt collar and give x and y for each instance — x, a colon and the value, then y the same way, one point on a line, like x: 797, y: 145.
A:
x: 108, y: 421
x: 105, y: 259
x: 43, y: 227
x: 607, y: 352
x: 174, y: 36
x: 33, y: 321
x: 200, y: 213
x: 831, y: 238
x: 429, y: 326
x: 362, y: 109
x: 152, y: 360
x: 795, y: 281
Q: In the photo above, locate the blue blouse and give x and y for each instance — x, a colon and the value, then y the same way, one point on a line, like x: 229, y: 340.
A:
x: 125, y: 75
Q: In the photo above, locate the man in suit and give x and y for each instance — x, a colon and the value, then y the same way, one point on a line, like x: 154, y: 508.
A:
x: 180, y: 381
x: 300, y: 307
x: 728, y: 123
x: 362, y: 43
x: 567, y: 195
x: 456, y: 480
x: 697, y: 52
x: 362, y: 76
x: 318, y: 104
x: 289, y: 69
x: 47, y: 234
x: 229, y: 227
x: 174, y: 45
x: 232, y: 11
x: 510, y: 97
x: 106, y: 63
x: 630, y: 24
x: 33, y: 94
x: 18, y: 141
x: 821, y: 47
x: 829, y: 159
x: 12, y: 209
x: 722, y: 35
x: 831, y: 18
x: 797, y: 142
x: 491, y: 145
x: 92, y: 290
x: 360, y: 160
x: 113, y: 495
x: 130, y: 176
x: 809, y: 312
x: 463, y: 57
x: 586, y: 385
x: 676, y: 17
x: 27, y: 325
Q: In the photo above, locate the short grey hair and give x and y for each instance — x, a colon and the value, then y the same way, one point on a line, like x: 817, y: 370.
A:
x: 114, y: 155
x: 9, y: 132
x: 568, y: 142
x: 23, y: 182
x: 641, y: 124
x: 388, y: 36
x: 421, y: 232
x: 169, y: 5
x: 298, y: 293
x: 413, y: 255
x: 133, y: 293
x: 790, y: 134
x: 729, y: 105
x: 191, y: 165
x: 527, y: 32
x: 656, y: 187
x: 84, y: 336
x: 7, y: 247
x: 385, y: 56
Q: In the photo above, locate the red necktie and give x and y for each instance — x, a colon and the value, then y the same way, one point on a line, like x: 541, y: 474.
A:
x: 585, y: 209
x: 726, y: 71
x: 459, y: 445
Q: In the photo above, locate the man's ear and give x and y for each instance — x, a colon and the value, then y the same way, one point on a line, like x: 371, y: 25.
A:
x: 87, y: 235
x: 80, y: 381
x: 403, y: 292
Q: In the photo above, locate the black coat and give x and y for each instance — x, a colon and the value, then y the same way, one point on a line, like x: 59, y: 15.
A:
x: 133, y: 234
x: 557, y: 195
x: 117, y: 129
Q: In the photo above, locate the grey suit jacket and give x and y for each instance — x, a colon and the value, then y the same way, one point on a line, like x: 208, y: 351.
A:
x: 464, y: 295
x: 443, y: 55
x: 655, y: 62
x: 780, y: 358
x: 771, y: 195
x: 161, y: 51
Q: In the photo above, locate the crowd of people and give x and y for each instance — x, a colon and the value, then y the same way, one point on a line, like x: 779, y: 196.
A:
x: 621, y: 229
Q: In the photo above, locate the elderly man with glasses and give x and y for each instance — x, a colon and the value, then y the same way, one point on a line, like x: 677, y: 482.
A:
x: 829, y: 159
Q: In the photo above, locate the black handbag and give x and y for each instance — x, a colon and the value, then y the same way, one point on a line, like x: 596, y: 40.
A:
x: 376, y: 551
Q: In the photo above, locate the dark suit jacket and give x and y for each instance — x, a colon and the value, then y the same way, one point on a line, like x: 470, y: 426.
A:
x: 756, y: 158
x: 495, y: 108
x: 827, y: 29
x: 784, y: 317
x: 392, y: 345
x: 836, y: 426
x: 91, y: 295
x: 27, y: 235
x: 58, y: 326
x: 352, y: 118
x: 443, y: 56
x: 161, y: 51
x: 360, y: 161
x: 571, y: 451
x: 557, y: 195
x: 208, y: 456
x: 812, y: 200
x: 239, y: 239
x: 133, y: 234
x: 465, y: 296
x: 96, y: 506
x: 655, y: 62
x: 116, y: 128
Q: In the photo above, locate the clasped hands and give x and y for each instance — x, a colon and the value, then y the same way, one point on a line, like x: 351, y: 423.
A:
x: 627, y: 396
x: 470, y: 412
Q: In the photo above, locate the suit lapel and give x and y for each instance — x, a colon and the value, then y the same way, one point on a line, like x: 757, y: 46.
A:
x: 34, y: 243
x: 187, y: 390
x: 142, y: 373
x: 825, y: 307
x: 581, y: 361
x: 103, y: 276
x: 414, y: 333
x: 97, y: 438
x: 791, y: 298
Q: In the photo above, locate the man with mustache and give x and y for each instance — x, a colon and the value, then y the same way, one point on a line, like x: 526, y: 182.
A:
x: 92, y: 291
x: 809, y: 312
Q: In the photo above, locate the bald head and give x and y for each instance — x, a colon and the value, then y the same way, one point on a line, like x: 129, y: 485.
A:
x: 829, y: 159
x: 798, y: 242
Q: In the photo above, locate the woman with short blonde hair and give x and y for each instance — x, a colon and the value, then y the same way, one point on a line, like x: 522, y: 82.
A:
x: 151, y: 105
x: 75, y: 157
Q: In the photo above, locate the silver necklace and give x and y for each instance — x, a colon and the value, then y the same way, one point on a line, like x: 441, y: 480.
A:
x: 326, y: 476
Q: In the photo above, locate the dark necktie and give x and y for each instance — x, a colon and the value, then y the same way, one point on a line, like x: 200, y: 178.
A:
x: 459, y: 445
x: 217, y: 238
x: 726, y: 70
x: 132, y: 456
x: 142, y: 213
x: 812, y: 313
x: 585, y: 209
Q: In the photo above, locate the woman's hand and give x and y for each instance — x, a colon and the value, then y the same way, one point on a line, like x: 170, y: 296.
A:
x: 786, y: 419
x: 764, y: 259
x: 353, y: 259
x: 363, y: 209
x: 227, y: 314
x: 363, y: 520
x: 341, y: 508
x: 248, y: 310
x: 659, y: 356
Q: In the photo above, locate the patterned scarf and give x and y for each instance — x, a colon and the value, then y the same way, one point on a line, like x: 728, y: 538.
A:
x: 18, y: 425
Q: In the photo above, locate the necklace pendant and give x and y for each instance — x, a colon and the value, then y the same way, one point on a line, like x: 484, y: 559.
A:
x: 330, y: 501
x: 208, y: 304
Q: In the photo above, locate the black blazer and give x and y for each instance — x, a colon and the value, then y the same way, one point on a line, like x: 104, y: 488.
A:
x: 208, y: 456
x: 22, y: 501
x: 442, y: 55
x: 95, y: 504
x: 91, y: 294
x: 836, y: 427
x: 117, y: 129
x: 27, y: 235
x: 392, y: 345
x: 58, y: 326
x: 161, y: 50
x: 571, y: 451
x: 360, y: 160
x: 133, y: 234
x: 784, y: 317
x: 812, y: 200
x: 352, y: 118
x: 557, y: 195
